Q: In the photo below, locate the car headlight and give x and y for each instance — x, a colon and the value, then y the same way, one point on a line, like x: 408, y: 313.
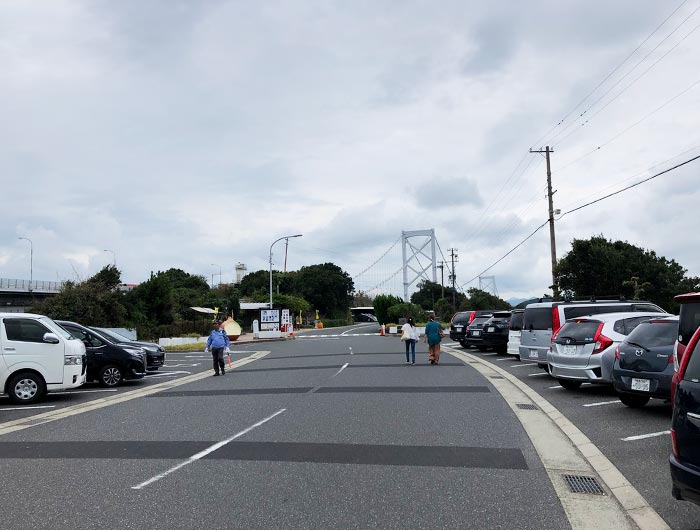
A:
x: 73, y: 360
x: 135, y: 352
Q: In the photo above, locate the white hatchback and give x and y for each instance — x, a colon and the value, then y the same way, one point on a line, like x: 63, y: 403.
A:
x: 578, y: 347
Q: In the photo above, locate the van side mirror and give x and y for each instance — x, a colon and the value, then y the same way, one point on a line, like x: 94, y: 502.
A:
x: 51, y: 338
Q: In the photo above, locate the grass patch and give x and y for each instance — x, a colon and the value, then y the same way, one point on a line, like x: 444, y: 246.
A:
x: 193, y: 346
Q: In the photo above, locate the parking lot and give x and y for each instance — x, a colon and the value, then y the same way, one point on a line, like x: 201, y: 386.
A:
x: 637, y: 441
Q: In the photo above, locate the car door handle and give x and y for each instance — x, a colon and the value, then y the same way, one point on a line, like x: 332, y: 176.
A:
x: 694, y: 418
x: 9, y: 349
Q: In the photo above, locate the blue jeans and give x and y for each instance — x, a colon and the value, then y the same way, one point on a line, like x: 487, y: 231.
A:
x: 411, y: 343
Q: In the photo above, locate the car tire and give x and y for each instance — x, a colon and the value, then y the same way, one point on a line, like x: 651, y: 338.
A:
x: 501, y: 350
x: 110, y: 376
x: 463, y: 344
x: 634, y: 401
x: 570, y: 384
x: 26, y: 388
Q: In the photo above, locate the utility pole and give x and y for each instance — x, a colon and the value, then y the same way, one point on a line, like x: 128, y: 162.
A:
x: 442, y: 277
x: 552, y: 240
x: 453, y: 277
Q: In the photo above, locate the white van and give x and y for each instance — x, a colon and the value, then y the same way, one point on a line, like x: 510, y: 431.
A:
x: 37, y: 356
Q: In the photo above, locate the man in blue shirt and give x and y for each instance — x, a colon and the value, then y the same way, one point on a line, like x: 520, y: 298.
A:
x: 216, y: 343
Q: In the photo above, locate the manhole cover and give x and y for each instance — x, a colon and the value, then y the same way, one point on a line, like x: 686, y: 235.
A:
x: 583, y: 484
x: 526, y: 406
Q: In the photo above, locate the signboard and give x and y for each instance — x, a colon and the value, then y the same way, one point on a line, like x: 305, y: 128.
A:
x: 285, y: 317
x: 269, y: 319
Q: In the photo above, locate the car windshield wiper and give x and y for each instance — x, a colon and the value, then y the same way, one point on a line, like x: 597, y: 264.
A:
x: 639, y: 345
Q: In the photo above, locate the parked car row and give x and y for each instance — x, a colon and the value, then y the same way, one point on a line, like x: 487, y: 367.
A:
x: 636, y: 347
x: 40, y: 355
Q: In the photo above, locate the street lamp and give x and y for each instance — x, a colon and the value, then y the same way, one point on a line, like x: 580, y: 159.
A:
x: 273, y: 244
x: 212, y: 275
x: 114, y: 256
x: 31, y: 261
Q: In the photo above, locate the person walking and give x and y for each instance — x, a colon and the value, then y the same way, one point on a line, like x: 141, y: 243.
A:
x: 217, y: 343
x: 433, y: 335
x: 409, y: 336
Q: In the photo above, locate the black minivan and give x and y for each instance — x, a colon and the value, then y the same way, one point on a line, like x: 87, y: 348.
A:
x: 108, y: 363
x: 685, y: 425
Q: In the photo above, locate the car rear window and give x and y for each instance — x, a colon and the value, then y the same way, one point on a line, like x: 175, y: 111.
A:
x: 692, y: 371
x: 537, y: 318
x: 582, y: 332
x: 688, y: 322
x: 516, y: 321
x: 626, y: 326
x: 654, y: 334
x: 461, y: 318
x: 481, y: 320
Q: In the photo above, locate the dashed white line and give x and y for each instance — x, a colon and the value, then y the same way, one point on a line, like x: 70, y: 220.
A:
x: 643, y: 436
x: 602, y: 403
x: 204, y: 453
x: 343, y: 368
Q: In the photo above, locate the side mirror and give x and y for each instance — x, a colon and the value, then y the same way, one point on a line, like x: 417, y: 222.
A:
x: 51, y: 338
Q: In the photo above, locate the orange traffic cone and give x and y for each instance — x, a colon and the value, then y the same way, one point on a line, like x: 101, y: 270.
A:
x: 381, y: 330
x: 291, y: 332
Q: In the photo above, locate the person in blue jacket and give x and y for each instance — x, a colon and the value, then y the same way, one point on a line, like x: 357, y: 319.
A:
x: 217, y: 343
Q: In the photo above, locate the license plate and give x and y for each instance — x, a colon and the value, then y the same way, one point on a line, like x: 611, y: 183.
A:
x: 569, y: 349
x: 640, y: 384
x: 490, y: 330
x: 458, y: 328
x: 476, y: 333
x: 534, y: 353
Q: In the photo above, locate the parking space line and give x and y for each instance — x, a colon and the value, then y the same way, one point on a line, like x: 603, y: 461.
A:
x: 602, y: 403
x: 521, y: 365
x: 501, y: 360
x: 644, y: 436
x: 84, y: 391
x: 537, y: 375
x: 343, y: 368
x: 488, y: 354
x: 204, y: 453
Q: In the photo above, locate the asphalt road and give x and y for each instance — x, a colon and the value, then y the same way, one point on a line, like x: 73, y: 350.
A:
x: 635, y: 440
x: 308, y: 436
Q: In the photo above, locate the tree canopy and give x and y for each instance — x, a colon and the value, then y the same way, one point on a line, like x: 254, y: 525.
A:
x: 601, y: 267
x: 429, y: 293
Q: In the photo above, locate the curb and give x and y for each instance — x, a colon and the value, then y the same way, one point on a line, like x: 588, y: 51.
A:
x: 631, y: 501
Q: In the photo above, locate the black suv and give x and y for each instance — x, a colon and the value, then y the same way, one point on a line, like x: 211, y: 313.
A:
x: 155, y: 353
x: 474, y: 337
x: 107, y: 362
x: 685, y: 425
x: 495, y: 332
x: 460, y: 322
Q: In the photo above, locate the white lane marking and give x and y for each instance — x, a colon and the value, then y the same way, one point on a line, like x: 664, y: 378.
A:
x: 84, y: 391
x: 353, y: 329
x: 167, y: 374
x: 556, y: 387
x: 501, y: 360
x: 30, y: 407
x: 180, y: 365
x: 537, y: 375
x: 205, y: 452
x: 521, y: 365
x: 343, y: 368
x: 602, y: 403
x: 643, y: 436
x: 488, y: 354
x: 559, y: 386
x: 322, y: 337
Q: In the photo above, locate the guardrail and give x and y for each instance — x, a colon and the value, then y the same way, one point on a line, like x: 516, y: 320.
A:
x: 14, y: 285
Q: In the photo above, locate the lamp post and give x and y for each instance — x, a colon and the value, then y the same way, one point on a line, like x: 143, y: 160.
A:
x: 114, y: 256
x: 212, y: 275
x: 273, y: 244
x: 31, y: 262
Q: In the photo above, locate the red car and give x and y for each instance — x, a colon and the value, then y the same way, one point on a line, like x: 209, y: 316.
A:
x: 689, y: 321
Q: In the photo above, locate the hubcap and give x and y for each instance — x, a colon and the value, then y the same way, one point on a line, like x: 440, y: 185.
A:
x: 111, y: 376
x: 26, y: 389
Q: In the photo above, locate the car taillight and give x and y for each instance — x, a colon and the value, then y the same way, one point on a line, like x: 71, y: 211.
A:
x: 601, y: 341
x: 556, y: 323
x: 617, y: 352
x: 472, y: 316
x: 674, y: 444
x: 554, y: 336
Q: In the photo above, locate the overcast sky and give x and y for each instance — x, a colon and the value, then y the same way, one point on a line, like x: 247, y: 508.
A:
x: 186, y: 133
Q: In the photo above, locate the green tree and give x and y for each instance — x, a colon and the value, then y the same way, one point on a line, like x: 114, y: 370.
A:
x: 94, y: 302
x: 603, y: 268
x: 429, y: 293
x: 382, y: 303
x: 399, y: 311
x: 479, y: 299
x: 255, y: 284
x: 361, y: 299
x: 326, y: 287
x: 443, y: 309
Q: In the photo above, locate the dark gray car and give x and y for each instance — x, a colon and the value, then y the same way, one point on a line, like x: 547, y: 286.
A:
x: 643, y: 365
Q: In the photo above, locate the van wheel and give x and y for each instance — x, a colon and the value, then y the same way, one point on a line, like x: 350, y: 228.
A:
x: 26, y: 388
x: 634, y: 401
x: 111, y: 376
x: 569, y: 384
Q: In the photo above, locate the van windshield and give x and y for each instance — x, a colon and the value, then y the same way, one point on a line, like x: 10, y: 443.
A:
x: 537, y: 318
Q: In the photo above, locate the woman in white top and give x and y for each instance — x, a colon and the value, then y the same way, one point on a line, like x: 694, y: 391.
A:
x: 409, y: 337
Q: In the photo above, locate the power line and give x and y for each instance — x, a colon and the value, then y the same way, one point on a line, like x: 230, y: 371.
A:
x: 378, y: 259
x: 545, y: 135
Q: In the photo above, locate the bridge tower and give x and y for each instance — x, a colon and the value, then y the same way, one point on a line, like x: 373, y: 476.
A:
x: 488, y: 284
x: 413, y: 263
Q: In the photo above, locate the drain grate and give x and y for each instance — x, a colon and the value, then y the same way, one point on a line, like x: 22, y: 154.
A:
x: 526, y: 406
x: 583, y: 484
x: 496, y: 377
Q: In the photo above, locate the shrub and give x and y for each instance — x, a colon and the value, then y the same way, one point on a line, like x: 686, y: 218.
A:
x: 399, y: 311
